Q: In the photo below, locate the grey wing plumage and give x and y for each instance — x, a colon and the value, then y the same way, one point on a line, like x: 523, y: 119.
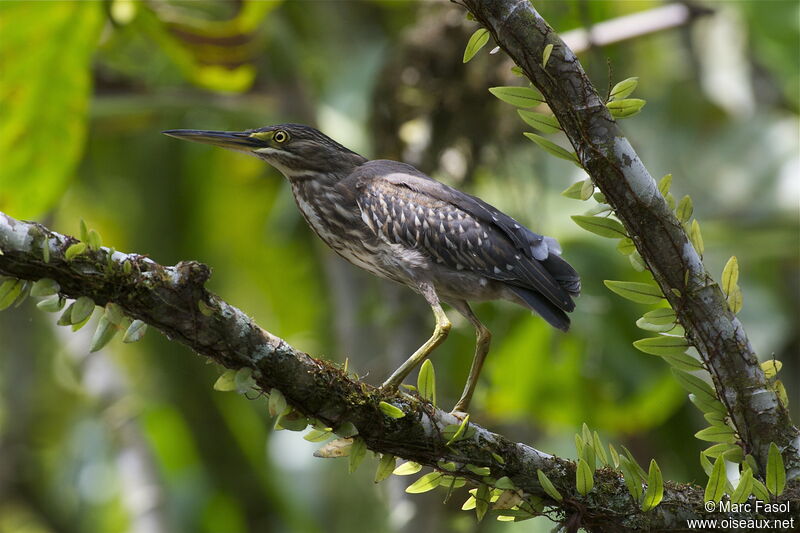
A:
x: 402, y: 205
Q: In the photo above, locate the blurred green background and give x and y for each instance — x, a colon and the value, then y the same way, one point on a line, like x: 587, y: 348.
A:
x: 134, y: 439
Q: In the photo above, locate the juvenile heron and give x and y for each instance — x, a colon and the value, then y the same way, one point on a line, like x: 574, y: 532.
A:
x: 397, y: 223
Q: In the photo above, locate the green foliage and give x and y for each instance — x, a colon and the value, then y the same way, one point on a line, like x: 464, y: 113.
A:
x: 643, y: 293
x: 540, y: 121
x: 455, y: 432
x: 776, y: 472
x: 103, y: 334
x: 74, y: 250
x: 584, y: 477
x: 623, y: 89
x: 655, y: 487
x: 605, y: 227
x: 390, y: 410
x: 477, y: 41
x: 518, y: 96
x: 226, y: 381
x: 717, y: 482
x: 548, y: 486
x: 553, y: 148
x: 385, y: 467
x: 358, y: 450
x: 426, y: 381
x: 45, y: 99
x: 407, y: 468
x: 135, y: 331
x: 744, y: 488
x: 426, y: 483
x: 546, y: 54
x: 625, y: 108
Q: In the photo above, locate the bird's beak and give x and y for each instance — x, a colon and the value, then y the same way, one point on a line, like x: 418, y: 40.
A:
x: 233, y: 140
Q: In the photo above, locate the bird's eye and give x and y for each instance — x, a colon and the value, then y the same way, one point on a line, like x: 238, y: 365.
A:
x: 280, y: 136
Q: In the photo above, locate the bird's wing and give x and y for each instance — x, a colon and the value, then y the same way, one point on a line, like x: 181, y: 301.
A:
x: 403, y: 206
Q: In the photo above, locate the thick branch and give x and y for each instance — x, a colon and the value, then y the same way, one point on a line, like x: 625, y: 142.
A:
x: 616, y: 169
x: 168, y: 299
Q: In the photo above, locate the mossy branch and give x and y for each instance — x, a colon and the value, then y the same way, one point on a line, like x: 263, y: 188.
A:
x: 615, y: 168
x: 173, y: 300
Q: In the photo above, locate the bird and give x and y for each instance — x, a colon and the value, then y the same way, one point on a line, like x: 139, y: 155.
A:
x: 395, y: 222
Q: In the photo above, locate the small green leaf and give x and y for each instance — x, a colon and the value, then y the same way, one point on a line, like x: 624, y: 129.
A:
x: 517, y: 71
x: 553, y: 148
x: 51, y: 304
x: 243, y: 379
x: 708, y: 406
x: 427, y: 482
x: 469, y: 504
x: 476, y: 42
x: 605, y: 227
x: 744, y: 488
x: 204, y: 308
x: 660, y: 316
x: 385, y: 467
x: 277, y: 403
x: 45, y: 287
x: 588, y: 454
x: 735, y: 300
x: 579, y: 445
x: 46, y: 250
x: 479, y: 470
x: 574, y: 190
x: 614, y: 455
x: 66, y: 317
x: 94, y: 240
x: 135, y: 331
x: 771, y: 368
x: 346, y: 430
x: 670, y: 201
x: 103, y: 334
x: 587, y: 190
x: 407, y: 468
x: 74, y: 250
x: 600, y: 450
x: 626, y: 246
x: 84, y: 231
x: 357, y: 453
x: 547, y: 486
x: 776, y: 472
x: 584, y: 477
x: 735, y: 454
x: 540, y: 121
x: 760, y: 491
x: 459, y: 432
x: 546, y: 54
x: 631, y: 478
x: 226, y: 381
x: 82, y: 309
x: 114, y: 313
x: 505, y: 483
x: 683, y: 361
x: 319, y: 435
x: 644, y: 293
x: 498, y: 458
x: 716, y: 434
x: 624, y: 89
x: 717, y: 482
x: 642, y: 323
x: 426, y: 381
x: 518, y: 96
x: 9, y: 291
x: 664, y: 185
x: 481, y: 501
x: 625, y: 108
x: 696, y: 237
x: 655, y: 487
x: 694, y: 385
x: 662, y: 345
x: 390, y: 410
x: 730, y: 275
x: 684, y: 210
x: 716, y: 450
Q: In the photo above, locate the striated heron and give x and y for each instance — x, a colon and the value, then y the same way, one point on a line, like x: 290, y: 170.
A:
x: 397, y: 223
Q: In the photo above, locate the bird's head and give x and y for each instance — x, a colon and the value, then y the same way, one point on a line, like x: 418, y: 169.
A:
x: 297, y: 151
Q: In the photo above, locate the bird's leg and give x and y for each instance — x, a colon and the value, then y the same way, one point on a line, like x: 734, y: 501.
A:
x: 484, y: 339
x: 439, y: 335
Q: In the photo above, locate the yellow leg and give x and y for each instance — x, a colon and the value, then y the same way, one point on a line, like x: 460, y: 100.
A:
x: 439, y: 335
x: 484, y: 339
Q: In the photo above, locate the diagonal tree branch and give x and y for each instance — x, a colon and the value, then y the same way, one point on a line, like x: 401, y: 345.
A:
x: 614, y: 167
x: 169, y: 299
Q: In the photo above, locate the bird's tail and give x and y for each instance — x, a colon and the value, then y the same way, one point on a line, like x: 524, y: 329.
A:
x: 554, y: 315
x: 563, y: 273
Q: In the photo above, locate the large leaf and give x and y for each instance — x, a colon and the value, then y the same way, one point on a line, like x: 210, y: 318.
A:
x: 605, y: 227
x: 476, y: 42
x: 45, y: 86
x: 655, y: 487
x: 518, y: 96
x: 776, y: 472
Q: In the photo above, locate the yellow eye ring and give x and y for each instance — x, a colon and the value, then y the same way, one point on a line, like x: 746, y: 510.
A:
x: 280, y: 136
